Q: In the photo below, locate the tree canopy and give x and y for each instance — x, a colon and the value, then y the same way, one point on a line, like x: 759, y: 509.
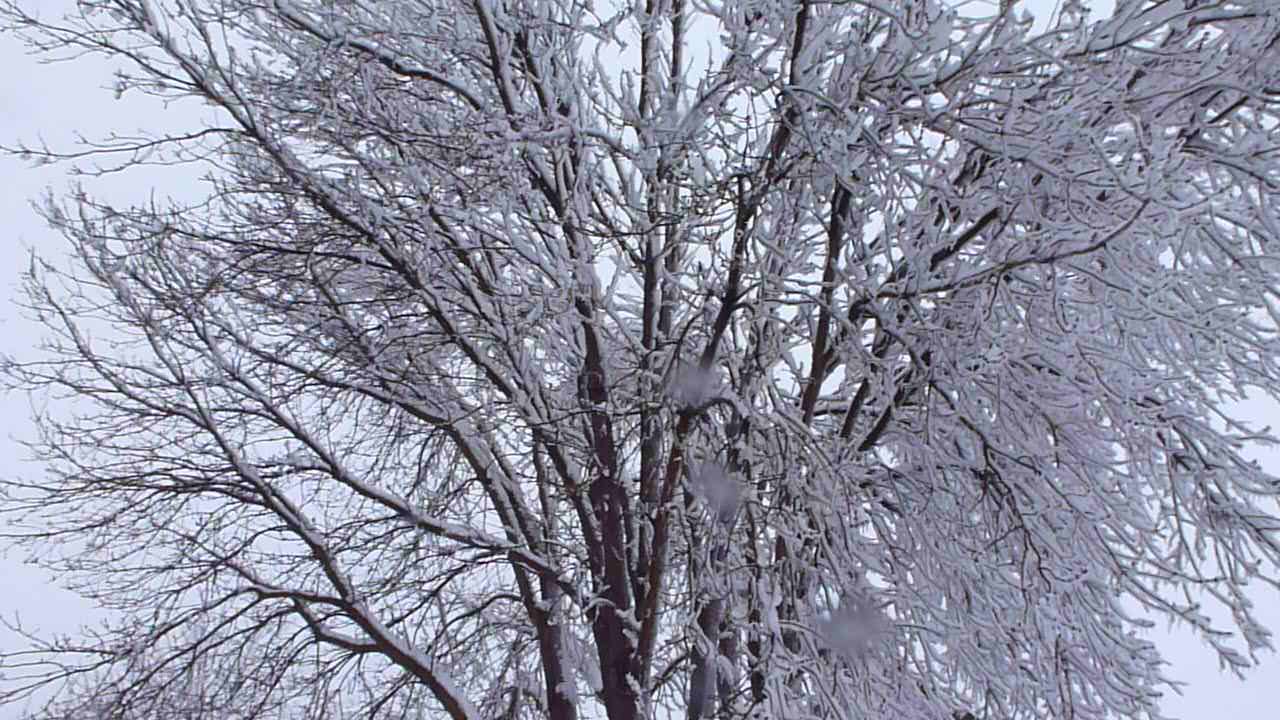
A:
x: 670, y: 358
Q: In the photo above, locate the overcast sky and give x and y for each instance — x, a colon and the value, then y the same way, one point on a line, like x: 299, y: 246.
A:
x: 53, y: 101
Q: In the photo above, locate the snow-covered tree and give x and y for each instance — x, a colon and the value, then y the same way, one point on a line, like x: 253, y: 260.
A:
x: 669, y: 358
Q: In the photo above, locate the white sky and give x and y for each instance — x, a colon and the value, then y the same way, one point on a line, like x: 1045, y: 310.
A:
x: 52, y: 101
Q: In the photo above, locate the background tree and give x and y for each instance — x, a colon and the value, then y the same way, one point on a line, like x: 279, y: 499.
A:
x: 765, y: 358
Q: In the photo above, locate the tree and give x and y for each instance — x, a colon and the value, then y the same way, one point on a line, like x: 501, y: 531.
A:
x: 763, y: 358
